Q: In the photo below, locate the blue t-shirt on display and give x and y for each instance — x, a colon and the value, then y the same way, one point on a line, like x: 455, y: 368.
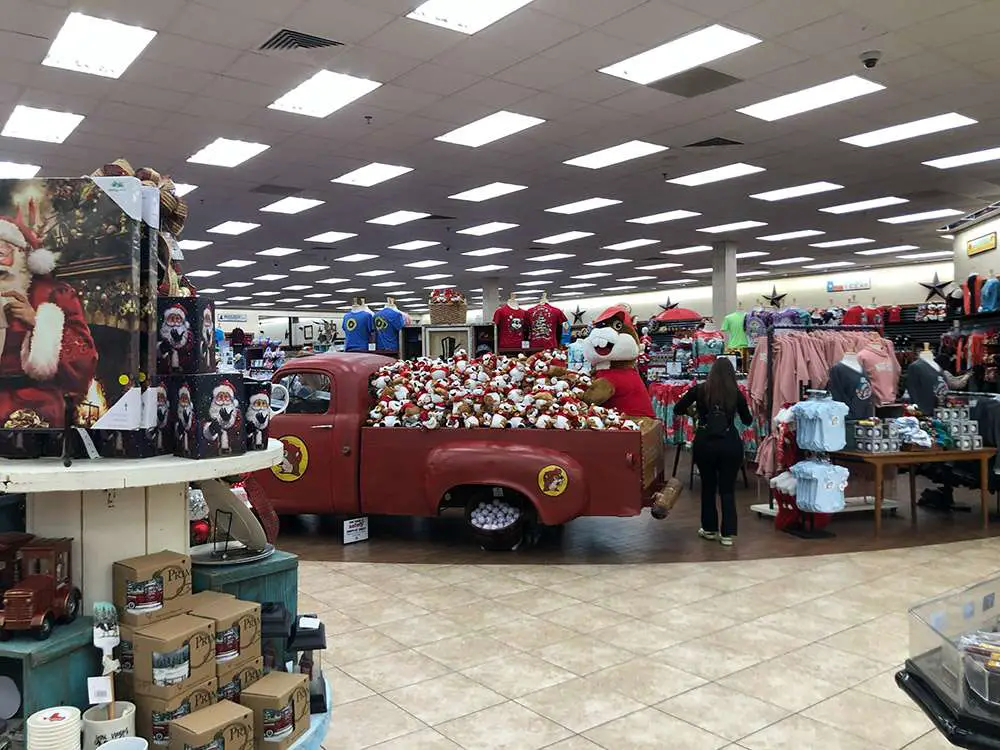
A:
x: 820, y: 486
x: 358, y: 327
x: 388, y: 323
x: 819, y: 425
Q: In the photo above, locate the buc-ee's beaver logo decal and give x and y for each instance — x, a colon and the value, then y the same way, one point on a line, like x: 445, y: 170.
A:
x: 553, y: 480
x: 295, y: 460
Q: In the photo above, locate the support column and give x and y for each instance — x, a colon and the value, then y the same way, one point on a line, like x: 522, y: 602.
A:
x: 723, y: 279
x: 491, y: 297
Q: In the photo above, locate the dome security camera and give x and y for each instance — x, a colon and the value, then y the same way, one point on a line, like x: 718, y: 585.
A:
x: 871, y: 58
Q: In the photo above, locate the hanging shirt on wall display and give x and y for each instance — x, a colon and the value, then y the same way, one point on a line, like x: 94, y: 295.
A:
x: 512, y: 324
x: 388, y: 323
x: 853, y: 388
x: 358, y: 326
x: 926, y: 385
x: 544, y: 323
x: 733, y: 327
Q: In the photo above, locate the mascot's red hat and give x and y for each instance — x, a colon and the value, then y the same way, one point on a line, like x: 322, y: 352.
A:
x: 612, y: 312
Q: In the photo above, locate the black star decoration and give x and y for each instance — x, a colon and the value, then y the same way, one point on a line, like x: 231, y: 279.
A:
x: 578, y: 316
x: 935, y: 288
x: 774, y: 299
x: 670, y: 305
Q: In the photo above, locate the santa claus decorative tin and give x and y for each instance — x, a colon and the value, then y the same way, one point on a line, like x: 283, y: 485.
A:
x: 207, y: 414
x: 257, y: 401
x: 69, y: 301
x: 187, y: 335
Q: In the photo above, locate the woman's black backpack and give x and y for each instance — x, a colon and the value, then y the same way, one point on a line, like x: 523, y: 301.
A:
x: 717, y: 423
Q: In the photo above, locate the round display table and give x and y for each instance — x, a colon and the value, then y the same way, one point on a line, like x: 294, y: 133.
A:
x: 114, y: 508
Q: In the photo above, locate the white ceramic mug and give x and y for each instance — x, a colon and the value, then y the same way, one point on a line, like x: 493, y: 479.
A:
x: 99, y: 731
x: 126, y: 743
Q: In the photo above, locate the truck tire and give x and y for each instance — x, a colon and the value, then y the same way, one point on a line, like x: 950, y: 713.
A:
x: 43, y: 631
x: 73, y: 602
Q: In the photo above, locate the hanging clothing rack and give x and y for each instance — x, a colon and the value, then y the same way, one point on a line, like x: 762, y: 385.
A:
x: 807, y: 327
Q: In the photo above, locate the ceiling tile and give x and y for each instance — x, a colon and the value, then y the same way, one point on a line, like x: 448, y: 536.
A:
x: 480, y: 57
x: 498, y: 94
x: 594, y: 50
x: 265, y: 10
x: 217, y: 27
x: 833, y: 33
x: 530, y: 30
x: 436, y: 79
x: 653, y: 24
x: 421, y: 40
x: 585, y: 14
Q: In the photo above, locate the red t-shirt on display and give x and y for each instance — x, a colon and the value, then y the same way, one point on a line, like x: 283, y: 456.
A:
x: 854, y: 316
x: 512, y: 324
x: 544, y: 324
x: 874, y: 316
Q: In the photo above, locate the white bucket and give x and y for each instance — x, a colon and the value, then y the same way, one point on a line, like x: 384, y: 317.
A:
x: 99, y: 731
x: 126, y: 743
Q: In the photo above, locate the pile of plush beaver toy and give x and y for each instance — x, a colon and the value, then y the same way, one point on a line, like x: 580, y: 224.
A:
x: 491, y: 391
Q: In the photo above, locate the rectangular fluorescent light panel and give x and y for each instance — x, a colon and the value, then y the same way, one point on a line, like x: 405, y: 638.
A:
x: 922, y: 216
x: 752, y: 254
x: 743, y: 274
x: 296, y: 288
x: 202, y: 274
x: 193, y: 244
x: 551, y: 256
x: 183, y: 188
x: 534, y: 283
x: 487, y: 251
x: 330, y: 237
x: 96, y: 46
x: 608, y: 262
x: 271, y: 277
x: 812, y: 98
x: 266, y: 294
x: 577, y: 286
x: 630, y: 245
x: 927, y: 256
x: 850, y: 208
x: 910, y: 130
x: 786, y: 261
x: 662, y: 217
x: 238, y: 285
x: 10, y: 170
x: 235, y: 263
x: 791, y: 235
x: 616, y: 155
x: 734, y: 227
x: 324, y: 94
x: 490, y: 128
x: 579, y: 207
x: 210, y: 291
x: 333, y: 280
x: 699, y: 270
x: 310, y: 269
x: 542, y: 272
x: 227, y: 152
x: 683, y: 53
x: 371, y: 174
x: 638, y: 278
x: 619, y: 288
x: 596, y: 275
x: 426, y: 264
x: 843, y: 243
x: 558, y: 239
x: 279, y: 252
x: 688, y: 250
x: 397, y: 217
x: 728, y: 172
x: 233, y: 228
x: 34, y: 124
x: 658, y: 266
x: 961, y: 160
x: 797, y: 191
x: 414, y: 245
x: 292, y: 205
x: 484, y: 269
x: 485, y: 192
x: 356, y: 258
x: 464, y: 16
x: 832, y: 264
x: 887, y: 250
x: 434, y: 276
x: 490, y: 228
x: 389, y: 283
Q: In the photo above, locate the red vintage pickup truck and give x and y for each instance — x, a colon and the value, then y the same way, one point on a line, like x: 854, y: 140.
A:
x: 333, y: 464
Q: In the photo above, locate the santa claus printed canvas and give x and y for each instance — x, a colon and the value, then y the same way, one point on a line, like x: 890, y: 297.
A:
x: 69, y: 301
x: 257, y: 398
x: 208, y: 415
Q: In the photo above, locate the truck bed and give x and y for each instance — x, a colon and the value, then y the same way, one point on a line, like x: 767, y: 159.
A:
x: 408, y: 471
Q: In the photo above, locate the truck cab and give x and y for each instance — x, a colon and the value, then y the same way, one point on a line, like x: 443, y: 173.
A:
x: 45, y: 593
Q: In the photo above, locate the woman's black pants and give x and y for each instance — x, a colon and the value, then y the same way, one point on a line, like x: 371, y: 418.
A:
x: 718, y: 460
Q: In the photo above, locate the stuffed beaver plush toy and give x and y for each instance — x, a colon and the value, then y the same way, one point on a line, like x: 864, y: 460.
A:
x: 612, y: 349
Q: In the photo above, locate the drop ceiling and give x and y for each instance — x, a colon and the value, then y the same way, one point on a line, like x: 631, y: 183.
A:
x: 203, y: 77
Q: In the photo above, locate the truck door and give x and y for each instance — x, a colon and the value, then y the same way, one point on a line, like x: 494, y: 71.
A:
x: 303, y: 481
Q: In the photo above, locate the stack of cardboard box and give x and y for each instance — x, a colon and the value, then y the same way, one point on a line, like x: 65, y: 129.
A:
x: 180, y: 652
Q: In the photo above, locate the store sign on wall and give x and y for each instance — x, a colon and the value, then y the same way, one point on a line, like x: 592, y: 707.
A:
x: 228, y: 317
x: 982, y: 244
x: 848, y: 285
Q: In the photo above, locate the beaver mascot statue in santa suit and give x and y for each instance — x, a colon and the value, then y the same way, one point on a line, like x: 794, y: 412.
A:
x: 612, y: 349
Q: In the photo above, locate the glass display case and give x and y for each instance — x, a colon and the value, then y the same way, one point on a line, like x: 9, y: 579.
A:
x: 953, y: 672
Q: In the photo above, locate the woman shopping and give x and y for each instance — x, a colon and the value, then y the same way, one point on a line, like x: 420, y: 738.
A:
x: 718, y: 449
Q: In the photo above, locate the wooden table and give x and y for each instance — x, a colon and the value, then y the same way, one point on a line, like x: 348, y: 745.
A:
x: 915, y: 458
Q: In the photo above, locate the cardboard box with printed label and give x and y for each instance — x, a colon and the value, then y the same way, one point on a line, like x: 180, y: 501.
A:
x: 237, y: 628
x: 151, y: 587
x: 234, y: 678
x: 223, y: 726
x: 280, y: 705
x: 154, y: 715
x: 172, y: 655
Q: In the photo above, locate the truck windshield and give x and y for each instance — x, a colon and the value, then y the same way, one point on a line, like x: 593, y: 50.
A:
x: 308, y: 393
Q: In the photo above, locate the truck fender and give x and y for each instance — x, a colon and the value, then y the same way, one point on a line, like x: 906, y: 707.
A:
x: 553, y: 482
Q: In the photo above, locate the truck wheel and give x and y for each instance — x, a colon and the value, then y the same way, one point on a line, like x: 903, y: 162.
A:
x: 72, y: 607
x: 43, y: 631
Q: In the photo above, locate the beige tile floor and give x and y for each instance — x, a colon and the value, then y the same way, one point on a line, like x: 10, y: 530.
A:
x: 777, y: 654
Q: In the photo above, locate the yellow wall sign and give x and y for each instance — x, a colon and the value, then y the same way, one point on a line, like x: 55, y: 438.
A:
x: 553, y: 480
x: 982, y: 244
x: 295, y: 461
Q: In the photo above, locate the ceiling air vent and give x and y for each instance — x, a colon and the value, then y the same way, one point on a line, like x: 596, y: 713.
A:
x: 288, y: 39
x: 713, y: 142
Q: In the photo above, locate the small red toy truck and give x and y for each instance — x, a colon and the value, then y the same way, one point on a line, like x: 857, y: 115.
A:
x: 45, y: 593
x: 333, y: 464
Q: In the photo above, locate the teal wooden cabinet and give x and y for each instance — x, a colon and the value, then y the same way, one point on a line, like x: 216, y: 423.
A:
x: 52, y: 672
